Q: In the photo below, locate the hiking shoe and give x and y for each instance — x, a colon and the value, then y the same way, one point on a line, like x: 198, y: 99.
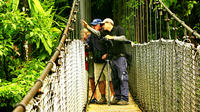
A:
x: 122, y: 102
x: 93, y: 101
x: 102, y: 101
x: 114, y: 101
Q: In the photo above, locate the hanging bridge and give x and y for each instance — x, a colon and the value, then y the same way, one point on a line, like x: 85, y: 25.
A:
x: 164, y: 73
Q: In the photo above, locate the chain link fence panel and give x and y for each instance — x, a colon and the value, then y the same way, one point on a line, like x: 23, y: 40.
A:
x: 66, y: 89
x: 164, y: 76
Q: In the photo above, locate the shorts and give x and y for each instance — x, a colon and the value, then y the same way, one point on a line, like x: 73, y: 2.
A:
x: 90, y: 69
x: 97, y: 70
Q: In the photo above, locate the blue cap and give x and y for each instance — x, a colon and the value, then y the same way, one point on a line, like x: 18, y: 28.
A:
x: 96, y: 21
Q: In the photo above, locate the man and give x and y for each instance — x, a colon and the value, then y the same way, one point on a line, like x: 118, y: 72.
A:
x: 118, y: 56
x: 99, y: 49
x: 89, y: 62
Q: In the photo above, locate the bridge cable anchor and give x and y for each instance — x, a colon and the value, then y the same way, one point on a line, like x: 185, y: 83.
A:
x: 194, y: 31
x: 39, y: 80
x: 71, y: 29
x: 64, y: 34
x: 50, y: 62
x: 75, y: 12
x: 57, y: 49
x: 76, y: 4
x: 62, y: 43
x: 22, y: 105
x: 73, y: 20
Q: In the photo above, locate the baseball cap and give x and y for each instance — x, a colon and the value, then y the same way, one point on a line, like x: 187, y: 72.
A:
x: 107, y: 20
x: 96, y: 21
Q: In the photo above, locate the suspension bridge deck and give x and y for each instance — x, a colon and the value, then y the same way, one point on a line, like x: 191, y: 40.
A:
x: 132, y: 107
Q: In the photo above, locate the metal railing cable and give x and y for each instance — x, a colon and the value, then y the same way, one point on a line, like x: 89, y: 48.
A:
x: 165, y: 76
x: 63, y: 81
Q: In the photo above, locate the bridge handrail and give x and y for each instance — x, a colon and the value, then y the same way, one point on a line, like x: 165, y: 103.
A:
x: 180, y: 21
x: 22, y: 105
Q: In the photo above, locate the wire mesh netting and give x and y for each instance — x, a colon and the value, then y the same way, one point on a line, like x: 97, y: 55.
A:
x: 66, y: 89
x: 164, y: 76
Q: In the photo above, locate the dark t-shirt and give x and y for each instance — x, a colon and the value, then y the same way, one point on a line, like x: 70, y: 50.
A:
x: 98, y: 48
x: 116, y: 47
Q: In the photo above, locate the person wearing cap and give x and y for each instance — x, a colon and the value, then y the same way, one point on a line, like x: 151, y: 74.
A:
x: 118, y: 56
x: 99, y: 49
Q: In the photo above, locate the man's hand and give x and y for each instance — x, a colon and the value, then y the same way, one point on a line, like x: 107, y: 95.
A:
x: 104, y: 56
x: 109, y: 37
x: 84, y: 24
x: 132, y: 44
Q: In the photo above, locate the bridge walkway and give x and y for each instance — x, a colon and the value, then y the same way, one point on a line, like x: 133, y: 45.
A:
x: 132, y: 107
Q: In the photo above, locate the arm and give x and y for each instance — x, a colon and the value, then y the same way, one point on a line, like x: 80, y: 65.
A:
x: 97, y: 33
x: 91, y: 29
x: 120, y: 38
x: 119, y: 34
x: 117, y: 38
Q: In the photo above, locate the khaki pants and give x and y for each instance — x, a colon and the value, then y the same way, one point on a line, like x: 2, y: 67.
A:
x: 90, y: 69
x: 97, y: 71
x: 90, y: 65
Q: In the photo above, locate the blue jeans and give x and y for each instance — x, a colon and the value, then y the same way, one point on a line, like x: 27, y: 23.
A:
x: 120, y: 78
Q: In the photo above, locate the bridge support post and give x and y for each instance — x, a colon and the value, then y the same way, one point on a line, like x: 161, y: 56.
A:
x: 85, y: 9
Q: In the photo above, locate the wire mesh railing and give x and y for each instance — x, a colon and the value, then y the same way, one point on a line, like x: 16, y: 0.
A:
x: 165, y: 76
x: 66, y: 89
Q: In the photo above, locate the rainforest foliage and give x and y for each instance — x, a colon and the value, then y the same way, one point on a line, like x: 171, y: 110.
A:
x: 186, y: 10
x: 29, y: 32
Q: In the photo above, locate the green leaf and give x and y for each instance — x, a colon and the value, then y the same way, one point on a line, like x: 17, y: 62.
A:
x: 14, y: 26
x: 46, y: 45
x: 13, y: 4
x: 31, y: 34
x: 54, y: 29
x: 36, y: 7
x: 38, y: 43
x: 1, y: 53
x: 61, y: 18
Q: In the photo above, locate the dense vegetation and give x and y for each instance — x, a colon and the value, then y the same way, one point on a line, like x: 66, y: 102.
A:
x: 30, y: 31
x: 186, y: 10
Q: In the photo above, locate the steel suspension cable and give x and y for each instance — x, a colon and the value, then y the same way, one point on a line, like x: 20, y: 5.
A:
x: 180, y: 21
x: 151, y: 21
x: 141, y: 36
x: 160, y: 14
x: 156, y: 14
x: 147, y: 20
